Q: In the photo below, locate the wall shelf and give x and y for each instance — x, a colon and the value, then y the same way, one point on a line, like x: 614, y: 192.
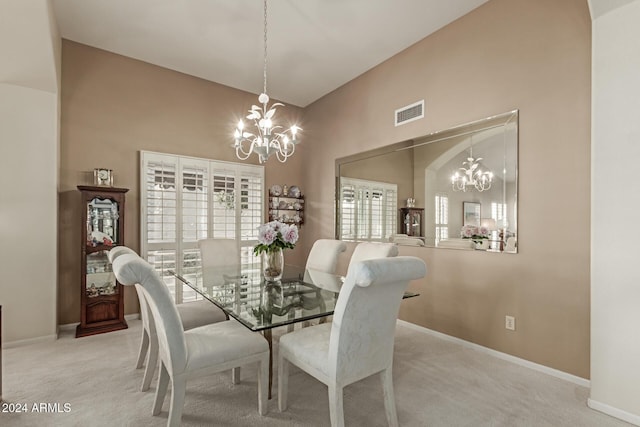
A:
x: 286, y: 209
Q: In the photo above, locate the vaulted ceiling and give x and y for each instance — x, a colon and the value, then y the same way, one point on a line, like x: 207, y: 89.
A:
x: 314, y: 46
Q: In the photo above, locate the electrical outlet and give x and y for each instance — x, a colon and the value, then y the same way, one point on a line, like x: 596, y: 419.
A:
x: 510, y: 323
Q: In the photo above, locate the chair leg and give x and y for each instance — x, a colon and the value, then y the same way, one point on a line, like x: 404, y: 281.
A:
x: 144, y: 346
x: 178, y: 389
x: 235, y: 375
x: 161, y: 391
x: 283, y: 382
x: 336, y: 409
x: 152, y: 363
x: 263, y: 384
x: 389, y: 398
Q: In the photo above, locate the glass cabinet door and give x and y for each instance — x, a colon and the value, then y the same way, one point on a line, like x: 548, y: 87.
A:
x: 100, y: 278
x: 417, y: 223
x: 102, y: 222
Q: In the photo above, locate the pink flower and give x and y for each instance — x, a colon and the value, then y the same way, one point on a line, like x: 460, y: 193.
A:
x: 468, y: 231
x: 266, y: 234
x: 290, y: 233
x: 484, y: 231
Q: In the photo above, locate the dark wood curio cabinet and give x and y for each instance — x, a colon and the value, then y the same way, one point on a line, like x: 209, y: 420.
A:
x: 411, y: 221
x: 101, y: 296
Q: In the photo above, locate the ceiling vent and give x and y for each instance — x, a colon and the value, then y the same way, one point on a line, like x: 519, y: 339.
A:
x: 410, y: 113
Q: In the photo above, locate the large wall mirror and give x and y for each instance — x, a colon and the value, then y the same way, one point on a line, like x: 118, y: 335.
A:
x: 457, y: 188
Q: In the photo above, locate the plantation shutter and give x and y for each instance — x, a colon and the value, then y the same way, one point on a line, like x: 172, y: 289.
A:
x: 193, y: 221
x: 159, y: 215
x: 223, y: 204
x: 367, y: 210
x: 347, y: 212
x: 187, y: 199
x: 442, y: 216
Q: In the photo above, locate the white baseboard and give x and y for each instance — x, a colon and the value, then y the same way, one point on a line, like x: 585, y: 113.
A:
x: 614, y: 412
x: 134, y: 316
x: 504, y: 356
x: 65, y: 327
x: 68, y: 327
x: 29, y: 341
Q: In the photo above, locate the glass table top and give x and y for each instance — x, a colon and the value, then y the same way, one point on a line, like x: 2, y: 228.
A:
x: 302, y: 294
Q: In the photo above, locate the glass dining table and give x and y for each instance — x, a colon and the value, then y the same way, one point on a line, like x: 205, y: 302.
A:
x: 243, y: 294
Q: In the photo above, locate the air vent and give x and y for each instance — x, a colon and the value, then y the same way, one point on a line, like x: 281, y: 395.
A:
x: 410, y: 113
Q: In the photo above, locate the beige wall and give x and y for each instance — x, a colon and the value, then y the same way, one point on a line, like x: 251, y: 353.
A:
x: 113, y: 107
x: 30, y: 52
x: 508, y: 54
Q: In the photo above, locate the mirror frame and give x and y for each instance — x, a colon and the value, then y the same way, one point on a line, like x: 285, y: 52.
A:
x: 499, y: 120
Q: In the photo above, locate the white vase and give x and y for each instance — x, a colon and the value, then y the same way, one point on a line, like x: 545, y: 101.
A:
x: 482, y: 245
x: 273, y: 265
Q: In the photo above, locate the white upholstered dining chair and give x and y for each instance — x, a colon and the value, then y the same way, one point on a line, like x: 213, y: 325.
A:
x: 218, y: 257
x: 220, y: 262
x: 322, y: 261
x: 324, y: 255
x: 372, y: 250
x: 359, y: 342
x: 199, y: 351
x: 192, y: 315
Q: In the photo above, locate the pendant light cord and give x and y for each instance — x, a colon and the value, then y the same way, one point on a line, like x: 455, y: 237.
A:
x: 264, y: 89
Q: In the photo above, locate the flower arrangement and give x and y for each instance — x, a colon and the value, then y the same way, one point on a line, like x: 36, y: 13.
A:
x: 276, y: 235
x: 475, y: 233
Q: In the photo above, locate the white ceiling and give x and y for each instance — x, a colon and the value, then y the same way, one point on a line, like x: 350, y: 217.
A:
x: 314, y: 46
x: 601, y: 7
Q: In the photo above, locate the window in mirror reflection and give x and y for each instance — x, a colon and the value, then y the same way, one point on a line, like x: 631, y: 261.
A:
x: 367, y: 210
x: 442, y: 217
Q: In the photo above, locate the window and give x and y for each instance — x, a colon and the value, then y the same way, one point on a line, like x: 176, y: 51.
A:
x: 185, y: 199
x: 499, y: 212
x: 442, y: 217
x: 368, y: 210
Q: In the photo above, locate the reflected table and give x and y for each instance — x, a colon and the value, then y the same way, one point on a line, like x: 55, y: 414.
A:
x: 243, y: 294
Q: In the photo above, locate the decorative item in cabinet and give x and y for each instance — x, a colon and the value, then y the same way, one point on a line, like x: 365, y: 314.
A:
x: 287, y: 207
x: 101, y: 296
x: 411, y: 221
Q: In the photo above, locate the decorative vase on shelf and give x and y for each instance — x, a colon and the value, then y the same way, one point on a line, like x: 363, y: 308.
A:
x: 273, y: 264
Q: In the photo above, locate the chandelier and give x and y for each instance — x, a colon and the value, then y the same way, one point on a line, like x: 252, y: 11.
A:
x: 471, y: 175
x: 267, y: 138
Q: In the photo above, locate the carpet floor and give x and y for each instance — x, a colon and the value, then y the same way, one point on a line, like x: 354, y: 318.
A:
x: 92, y: 382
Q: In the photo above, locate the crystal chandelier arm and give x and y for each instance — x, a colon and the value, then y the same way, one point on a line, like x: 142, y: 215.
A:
x: 240, y: 153
x: 252, y: 146
x: 283, y: 154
